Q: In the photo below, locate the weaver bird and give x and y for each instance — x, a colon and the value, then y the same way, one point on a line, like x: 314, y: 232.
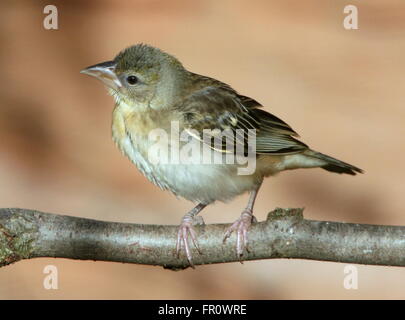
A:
x: 152, y: 90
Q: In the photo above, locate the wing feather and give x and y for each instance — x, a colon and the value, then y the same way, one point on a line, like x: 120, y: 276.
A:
x: 221, y: 108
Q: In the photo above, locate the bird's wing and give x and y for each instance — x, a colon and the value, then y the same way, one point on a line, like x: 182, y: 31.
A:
x: 222, y: 111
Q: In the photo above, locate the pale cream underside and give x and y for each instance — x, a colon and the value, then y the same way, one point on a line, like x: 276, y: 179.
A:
x: 204, y: 183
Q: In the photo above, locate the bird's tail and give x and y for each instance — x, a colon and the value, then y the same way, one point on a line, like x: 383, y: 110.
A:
x: 332, y: 164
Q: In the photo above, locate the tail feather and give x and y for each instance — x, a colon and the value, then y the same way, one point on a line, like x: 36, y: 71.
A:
x: 334, y: 165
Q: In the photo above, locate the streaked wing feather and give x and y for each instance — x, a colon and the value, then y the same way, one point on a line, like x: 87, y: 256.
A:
x: 222, y: 108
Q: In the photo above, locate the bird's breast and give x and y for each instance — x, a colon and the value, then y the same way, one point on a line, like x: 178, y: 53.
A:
x: 130, y: 132
x: 193, y: 181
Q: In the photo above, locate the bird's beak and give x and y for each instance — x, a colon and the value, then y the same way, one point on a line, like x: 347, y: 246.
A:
x: 105, y: 72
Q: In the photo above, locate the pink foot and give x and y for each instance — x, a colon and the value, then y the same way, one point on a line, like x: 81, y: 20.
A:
x: 186, y: 230
x: 241, y: 227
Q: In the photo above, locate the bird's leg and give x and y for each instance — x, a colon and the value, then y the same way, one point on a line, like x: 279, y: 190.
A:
x: 243, y: 223
x: 186, y: 229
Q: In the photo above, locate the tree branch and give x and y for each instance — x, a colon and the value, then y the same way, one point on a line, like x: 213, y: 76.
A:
x: 26, y: 234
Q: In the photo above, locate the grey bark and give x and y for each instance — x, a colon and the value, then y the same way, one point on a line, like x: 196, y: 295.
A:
x: 26, y: 234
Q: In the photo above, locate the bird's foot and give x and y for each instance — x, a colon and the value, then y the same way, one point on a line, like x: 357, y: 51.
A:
x: 241, y: 227
x: 186, y: 230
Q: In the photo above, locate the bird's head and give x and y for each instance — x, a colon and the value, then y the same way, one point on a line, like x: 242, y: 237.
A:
x: 142, y: 76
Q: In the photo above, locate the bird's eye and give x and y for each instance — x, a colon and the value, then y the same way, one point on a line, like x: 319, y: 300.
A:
x: 132, y: 80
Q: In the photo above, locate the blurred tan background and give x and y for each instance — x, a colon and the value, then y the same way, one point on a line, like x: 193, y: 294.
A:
x: 342, y: 90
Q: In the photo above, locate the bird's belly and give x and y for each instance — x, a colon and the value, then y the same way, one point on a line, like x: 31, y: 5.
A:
x: 206, y: 183
x: 200, y: 182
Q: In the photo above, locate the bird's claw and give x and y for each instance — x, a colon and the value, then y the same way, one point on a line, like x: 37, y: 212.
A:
x: 186, y: 230
x: 241, y: 226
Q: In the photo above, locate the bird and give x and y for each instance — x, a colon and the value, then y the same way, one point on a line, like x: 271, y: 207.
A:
x: 154, y: 93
